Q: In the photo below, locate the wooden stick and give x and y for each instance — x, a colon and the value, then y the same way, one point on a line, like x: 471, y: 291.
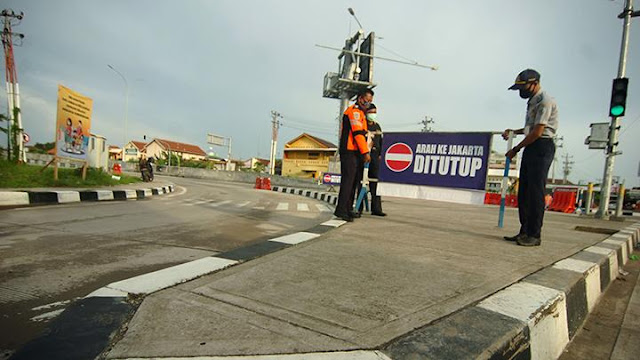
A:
x: 84, y: 171
x: 55, y: 168
x: 47, y: 165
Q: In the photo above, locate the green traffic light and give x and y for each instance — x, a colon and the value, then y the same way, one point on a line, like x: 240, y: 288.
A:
x: 617, y: 110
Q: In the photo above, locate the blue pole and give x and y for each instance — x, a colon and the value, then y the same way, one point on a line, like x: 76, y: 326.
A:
x: 505, y: 182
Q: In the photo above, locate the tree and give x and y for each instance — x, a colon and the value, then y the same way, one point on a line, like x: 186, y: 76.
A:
x: 259, y: 167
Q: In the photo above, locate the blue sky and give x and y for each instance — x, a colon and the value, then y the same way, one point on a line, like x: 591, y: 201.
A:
x: 221, y: 66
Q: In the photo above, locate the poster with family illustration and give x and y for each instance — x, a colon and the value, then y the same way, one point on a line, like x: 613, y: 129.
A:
x: 73, y: 124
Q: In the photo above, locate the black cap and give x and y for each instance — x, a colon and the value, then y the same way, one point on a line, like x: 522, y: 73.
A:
x: 525, y: 77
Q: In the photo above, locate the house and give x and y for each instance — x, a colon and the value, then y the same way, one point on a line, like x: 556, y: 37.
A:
x: 133, y: 150
x: 158, y: 147
x: 251, y: 163
x: 115, y: 152
x: 307, y: 156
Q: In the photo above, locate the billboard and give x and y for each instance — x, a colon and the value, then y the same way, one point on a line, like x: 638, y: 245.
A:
x: 448, y: 160
x: 73, y: 124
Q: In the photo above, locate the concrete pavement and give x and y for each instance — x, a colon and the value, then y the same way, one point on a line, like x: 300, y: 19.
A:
x: 368, y: 284
x: 52, y: 256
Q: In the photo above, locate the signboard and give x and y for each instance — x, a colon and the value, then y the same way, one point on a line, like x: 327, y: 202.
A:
x: 449, y: 160
x: 131, y: 151
x: 73, y: 124
x: 216, y: 140
x: 599, y: 137
x: 366, y: 63
x: 331, y: 179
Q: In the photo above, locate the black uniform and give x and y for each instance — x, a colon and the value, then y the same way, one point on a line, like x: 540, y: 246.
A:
x: 374, y: 166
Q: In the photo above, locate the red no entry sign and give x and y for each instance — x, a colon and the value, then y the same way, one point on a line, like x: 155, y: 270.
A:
x: 398, y: 157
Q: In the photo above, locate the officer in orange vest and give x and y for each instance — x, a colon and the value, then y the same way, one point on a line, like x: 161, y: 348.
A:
x: 354, y: 153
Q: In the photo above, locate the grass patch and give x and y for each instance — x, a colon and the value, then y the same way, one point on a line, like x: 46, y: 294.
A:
x: 29, y: 176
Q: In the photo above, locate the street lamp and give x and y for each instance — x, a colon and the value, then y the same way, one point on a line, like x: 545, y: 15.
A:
x: 126, y: 107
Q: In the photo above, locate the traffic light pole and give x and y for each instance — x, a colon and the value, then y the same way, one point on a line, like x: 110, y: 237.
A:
x: 605, y: 187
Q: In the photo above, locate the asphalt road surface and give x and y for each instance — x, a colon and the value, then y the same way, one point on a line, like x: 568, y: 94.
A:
x: 52, y: 255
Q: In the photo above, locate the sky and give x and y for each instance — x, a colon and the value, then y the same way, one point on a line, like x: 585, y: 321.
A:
x: 198, y: 67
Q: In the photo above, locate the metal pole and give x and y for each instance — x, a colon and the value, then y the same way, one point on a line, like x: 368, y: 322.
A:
x: 620, y: 202
x: 588, y: 199
x: 605, y: 187
x: 505, y: 181
x: 126, y: 105
x: 229, y: 159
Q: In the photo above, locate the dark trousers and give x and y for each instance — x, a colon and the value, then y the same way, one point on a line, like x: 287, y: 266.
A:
x: 376, y: 201
x: 351, y: 166
x: 536, y: 160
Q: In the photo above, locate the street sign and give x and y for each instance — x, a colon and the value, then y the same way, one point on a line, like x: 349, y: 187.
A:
x: 447, y: 160
x: 215, y: 140
x: 26, y: 137
x: 398, y: 157
x: 331, y: 179
x: 599, y: 136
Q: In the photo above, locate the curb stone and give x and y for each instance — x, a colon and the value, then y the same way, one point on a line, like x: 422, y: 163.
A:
x: 330, y: 198
x: 30, y: 198
x: 86, y: 328
x: 533, y: 319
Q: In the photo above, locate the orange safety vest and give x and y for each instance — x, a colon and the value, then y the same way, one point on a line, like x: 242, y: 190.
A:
x: 353, y: 130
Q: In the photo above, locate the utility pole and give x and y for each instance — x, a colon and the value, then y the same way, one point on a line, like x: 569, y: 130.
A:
x: 428, y: 120
x: 126, y: 105
x: 15, y: 140
x: 558, y: 141
x: 566, y: 170
x: 275, y: 125
x: 605, y: 187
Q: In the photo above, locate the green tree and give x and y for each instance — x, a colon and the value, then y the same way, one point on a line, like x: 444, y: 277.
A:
x: 259, y: 167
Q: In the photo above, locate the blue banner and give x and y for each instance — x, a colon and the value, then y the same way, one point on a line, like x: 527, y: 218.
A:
x: 331, y: 179
x: 452, y: 160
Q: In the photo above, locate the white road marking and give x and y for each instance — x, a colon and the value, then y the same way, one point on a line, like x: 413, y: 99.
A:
x: 303, y: 207
x: 296, y: 238
x: 47, y: 316
x: 282, y: 206
x: 161, y: 279
x: 323, y: 208
x: 258, y: 207
x: 53, y: 305
x: 244, y: 204
x: 220, y: 203
x: 334, y: 223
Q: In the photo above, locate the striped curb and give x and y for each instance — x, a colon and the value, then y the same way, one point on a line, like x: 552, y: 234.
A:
x: 26, y: 198
x: 330, y: 198
x: 334, y: 355
x: 85, y: 329
x: 533, y: 319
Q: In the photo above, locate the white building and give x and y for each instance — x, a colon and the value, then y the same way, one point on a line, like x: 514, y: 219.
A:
x: 98, y: 155
x: 133, y: 150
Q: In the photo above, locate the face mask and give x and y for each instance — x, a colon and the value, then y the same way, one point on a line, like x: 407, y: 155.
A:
x: 525, y: 94
x: 366, y: 104
x: 372, y: 116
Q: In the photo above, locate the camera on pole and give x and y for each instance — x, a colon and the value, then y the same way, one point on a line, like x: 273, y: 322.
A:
x: 618, y: 97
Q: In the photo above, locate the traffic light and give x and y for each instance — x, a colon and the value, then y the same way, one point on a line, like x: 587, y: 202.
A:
x: 618, y: 97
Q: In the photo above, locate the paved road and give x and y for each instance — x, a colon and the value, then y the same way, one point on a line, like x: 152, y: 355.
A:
x: 50, y: 256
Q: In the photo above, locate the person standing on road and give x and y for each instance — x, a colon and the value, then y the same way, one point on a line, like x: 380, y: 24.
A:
x: 541, y: 124
x: 354, y: 153
x: 374, y: 141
